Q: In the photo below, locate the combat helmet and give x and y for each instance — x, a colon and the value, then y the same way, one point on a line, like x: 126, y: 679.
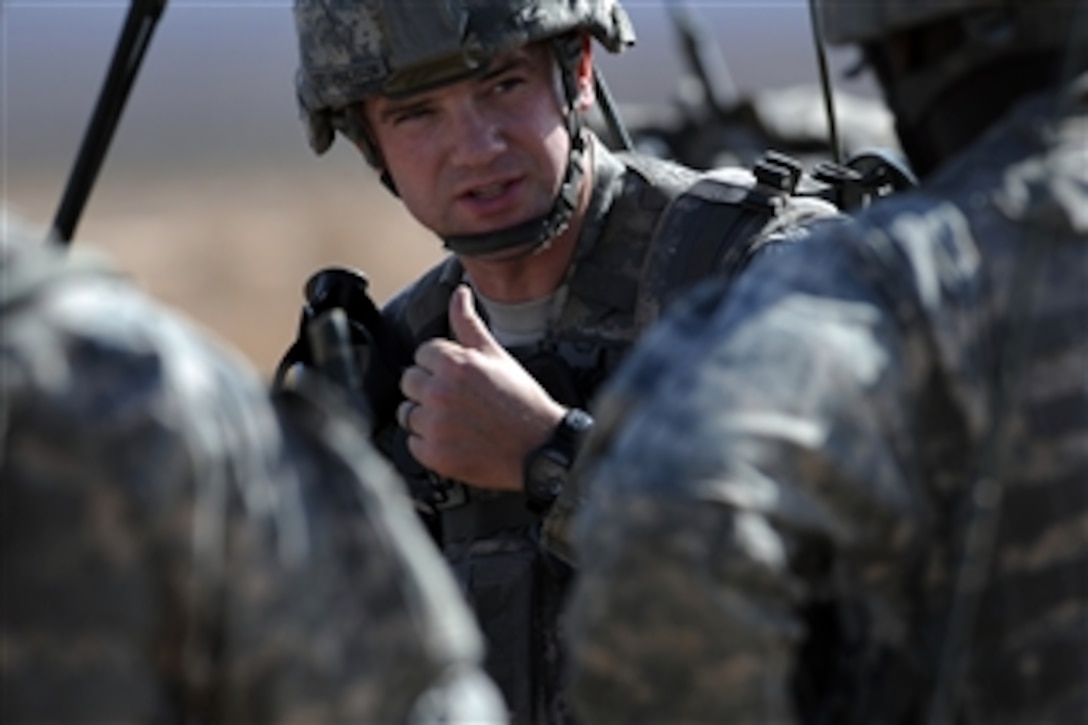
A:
x: 986, y: 31
x: 351, y: 49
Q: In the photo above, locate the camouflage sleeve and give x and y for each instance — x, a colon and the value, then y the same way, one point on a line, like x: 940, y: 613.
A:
x: 176, y: 545
x: 799, y: 219
x: 699, y: 551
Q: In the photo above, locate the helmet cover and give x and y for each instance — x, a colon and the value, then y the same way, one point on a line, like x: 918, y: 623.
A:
x: 349, y: 49
x: 865, y: 21
x: 991, y: 30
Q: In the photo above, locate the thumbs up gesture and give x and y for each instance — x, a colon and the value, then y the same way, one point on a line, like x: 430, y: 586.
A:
x: 472, y: 411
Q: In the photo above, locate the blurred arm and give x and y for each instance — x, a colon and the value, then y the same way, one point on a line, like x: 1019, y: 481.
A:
x: 740, y: 454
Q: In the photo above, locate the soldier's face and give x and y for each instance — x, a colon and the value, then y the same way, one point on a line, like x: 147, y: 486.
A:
x: 482, y: 154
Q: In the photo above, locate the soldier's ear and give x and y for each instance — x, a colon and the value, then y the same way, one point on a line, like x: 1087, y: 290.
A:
x: 584, y: 74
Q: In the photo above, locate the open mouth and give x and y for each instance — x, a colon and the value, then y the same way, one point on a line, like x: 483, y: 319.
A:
x: 491, y: 191
x: 494, y: 199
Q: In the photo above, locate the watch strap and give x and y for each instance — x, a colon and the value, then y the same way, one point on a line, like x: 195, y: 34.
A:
x: 561, y: 448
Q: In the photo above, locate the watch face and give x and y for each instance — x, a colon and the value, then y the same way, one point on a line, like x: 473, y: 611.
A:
x: 546, y: 475
x: 579, y: 420
x: 548, y: 467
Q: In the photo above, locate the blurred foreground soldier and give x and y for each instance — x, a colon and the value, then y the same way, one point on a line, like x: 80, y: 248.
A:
x: 855, y: 489
x: 179, y: 546
x: 473, y: 113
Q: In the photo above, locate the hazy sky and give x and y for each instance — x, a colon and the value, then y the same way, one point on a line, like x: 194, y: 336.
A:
x: 218, y: 75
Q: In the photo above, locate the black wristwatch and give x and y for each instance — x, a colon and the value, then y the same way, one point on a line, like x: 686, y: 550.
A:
x: 547, y: 467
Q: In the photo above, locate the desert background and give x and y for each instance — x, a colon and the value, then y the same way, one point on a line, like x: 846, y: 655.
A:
x: 210, y: 198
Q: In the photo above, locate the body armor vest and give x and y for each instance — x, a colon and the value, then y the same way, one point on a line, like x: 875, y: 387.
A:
x: 653, y: 230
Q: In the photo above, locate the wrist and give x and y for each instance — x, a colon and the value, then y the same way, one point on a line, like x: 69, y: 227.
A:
x: 547, y: 467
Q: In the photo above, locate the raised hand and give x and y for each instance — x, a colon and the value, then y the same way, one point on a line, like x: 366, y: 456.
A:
x: 472, y: 411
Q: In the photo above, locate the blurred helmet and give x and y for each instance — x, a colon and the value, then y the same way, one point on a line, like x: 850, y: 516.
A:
x: 349, y: 49
x: 991, y: 29
x: 949, y: 68
x: 866, y: 21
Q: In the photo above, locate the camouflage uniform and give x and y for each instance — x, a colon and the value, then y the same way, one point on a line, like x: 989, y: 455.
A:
x: 651, y: 229
x: 773, y: 525
x: 177, y: 546
x: 622, y: 276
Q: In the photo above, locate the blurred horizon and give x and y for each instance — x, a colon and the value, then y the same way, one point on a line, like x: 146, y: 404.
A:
x: 217, y: 81
x: 210, y: 196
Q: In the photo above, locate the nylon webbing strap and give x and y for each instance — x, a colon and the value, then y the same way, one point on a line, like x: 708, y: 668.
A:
x: 725, y: 221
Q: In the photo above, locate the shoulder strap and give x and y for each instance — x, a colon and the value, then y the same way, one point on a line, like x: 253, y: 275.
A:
x: 711, y: 229
x: 715, y: 226
x: 608, y: 278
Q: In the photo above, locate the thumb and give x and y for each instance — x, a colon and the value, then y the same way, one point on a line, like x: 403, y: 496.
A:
x: 465, y: 324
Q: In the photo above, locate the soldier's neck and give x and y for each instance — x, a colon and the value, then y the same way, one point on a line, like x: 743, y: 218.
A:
x: 519, y: 277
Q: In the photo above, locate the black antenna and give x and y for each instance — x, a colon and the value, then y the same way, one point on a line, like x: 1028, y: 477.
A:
x: 127, y: 58
x: 825, y: 82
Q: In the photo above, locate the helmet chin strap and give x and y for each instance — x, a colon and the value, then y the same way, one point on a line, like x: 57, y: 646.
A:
x: 535, y: 233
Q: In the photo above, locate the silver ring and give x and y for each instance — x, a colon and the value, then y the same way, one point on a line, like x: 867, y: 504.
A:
x: 406, y: 409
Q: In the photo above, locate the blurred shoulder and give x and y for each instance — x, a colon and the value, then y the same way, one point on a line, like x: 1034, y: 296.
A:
x: 94, y: 367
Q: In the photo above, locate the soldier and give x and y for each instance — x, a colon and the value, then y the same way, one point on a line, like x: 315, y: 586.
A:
x: 179, y: 546
x: 473, y: 113
x: 853, y: 490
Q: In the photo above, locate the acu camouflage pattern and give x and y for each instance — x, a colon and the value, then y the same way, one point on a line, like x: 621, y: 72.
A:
x: 177, y: 546
x: 634, y: 254
x: 349, y: 49
x: 777, y: 478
